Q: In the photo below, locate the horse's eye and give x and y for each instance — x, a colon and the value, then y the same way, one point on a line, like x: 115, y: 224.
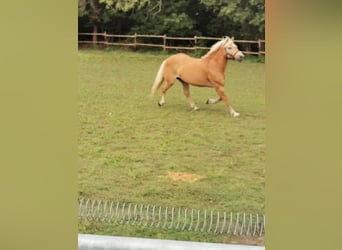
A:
x: 229, y: 47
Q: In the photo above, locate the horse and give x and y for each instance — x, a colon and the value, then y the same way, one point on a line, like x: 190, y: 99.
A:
x: 207, y: 71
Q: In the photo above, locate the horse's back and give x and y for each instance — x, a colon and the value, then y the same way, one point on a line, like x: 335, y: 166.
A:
x: 182, y: 60
x: 181, y: 57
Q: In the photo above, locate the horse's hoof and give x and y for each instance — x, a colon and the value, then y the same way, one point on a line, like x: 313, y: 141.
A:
x: 196, y: 108
x: 207, y: 101
x: 159, y: 105
x: 235, y: 114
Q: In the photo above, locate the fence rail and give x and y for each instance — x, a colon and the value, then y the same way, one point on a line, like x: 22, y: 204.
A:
x: 181, y: 219
x: 249, y: 47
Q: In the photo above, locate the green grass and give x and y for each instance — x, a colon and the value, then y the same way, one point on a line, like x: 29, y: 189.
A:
x: 128, y: 145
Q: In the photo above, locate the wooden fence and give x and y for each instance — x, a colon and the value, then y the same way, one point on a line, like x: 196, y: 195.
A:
x: 248, y: 47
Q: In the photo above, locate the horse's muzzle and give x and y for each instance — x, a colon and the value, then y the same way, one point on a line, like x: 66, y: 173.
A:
x: 239, y: 56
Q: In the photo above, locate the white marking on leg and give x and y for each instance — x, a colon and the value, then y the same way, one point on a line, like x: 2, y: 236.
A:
x: 232, y: 112
x: 162, y: 100
x: 195, y: 107
x: 213, y: 100
x: 192, y: 103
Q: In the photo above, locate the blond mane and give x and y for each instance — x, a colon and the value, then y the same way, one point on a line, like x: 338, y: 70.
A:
x: 216, y: 46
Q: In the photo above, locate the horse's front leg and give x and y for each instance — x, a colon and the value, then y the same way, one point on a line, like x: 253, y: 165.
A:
x: 214, y: 100
x: 220, y: 91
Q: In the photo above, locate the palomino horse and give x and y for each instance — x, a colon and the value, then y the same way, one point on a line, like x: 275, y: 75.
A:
x: 207, y: 71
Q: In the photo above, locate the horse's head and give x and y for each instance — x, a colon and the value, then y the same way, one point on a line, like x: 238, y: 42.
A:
x: 232, y: 51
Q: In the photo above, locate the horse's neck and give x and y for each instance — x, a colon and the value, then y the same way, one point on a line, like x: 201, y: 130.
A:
x: 218, y: 59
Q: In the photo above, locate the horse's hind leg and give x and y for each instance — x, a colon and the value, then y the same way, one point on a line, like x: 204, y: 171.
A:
x: 168, y: 84
x: 187, y: 95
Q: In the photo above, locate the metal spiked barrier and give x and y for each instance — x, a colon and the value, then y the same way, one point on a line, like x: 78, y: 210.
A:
x: 181, y: 219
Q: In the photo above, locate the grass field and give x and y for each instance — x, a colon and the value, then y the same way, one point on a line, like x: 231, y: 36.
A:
x: 133, y: 151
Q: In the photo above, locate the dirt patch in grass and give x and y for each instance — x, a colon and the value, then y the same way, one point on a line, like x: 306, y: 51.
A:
x: 184, y: 176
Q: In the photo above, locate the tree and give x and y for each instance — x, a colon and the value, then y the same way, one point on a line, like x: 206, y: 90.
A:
x: 248, y: 14
x: 95, y: 13
x: 176, y: 18
x: 100, y: 12
x: 126, y: 5
x: 244, y: 19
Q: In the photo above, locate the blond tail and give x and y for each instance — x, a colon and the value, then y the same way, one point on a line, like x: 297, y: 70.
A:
x: 159, y: 79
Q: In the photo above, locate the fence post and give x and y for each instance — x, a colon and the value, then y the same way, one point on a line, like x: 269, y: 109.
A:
x: 195, y: 37
x: 94, y: 34
x: 164, y: 42
x: 135, y: 41
x: 105, y: 38
x: 259, y: 47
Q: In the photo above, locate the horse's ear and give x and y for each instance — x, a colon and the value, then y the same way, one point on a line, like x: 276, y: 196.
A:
x: 225, y: 40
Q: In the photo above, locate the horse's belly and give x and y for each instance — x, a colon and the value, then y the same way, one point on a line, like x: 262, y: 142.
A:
x: 201, y: 84
x: 194, y: 75
x: 195, y: 78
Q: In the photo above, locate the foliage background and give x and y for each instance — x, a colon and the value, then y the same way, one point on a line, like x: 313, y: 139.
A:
x: 244, y: 19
